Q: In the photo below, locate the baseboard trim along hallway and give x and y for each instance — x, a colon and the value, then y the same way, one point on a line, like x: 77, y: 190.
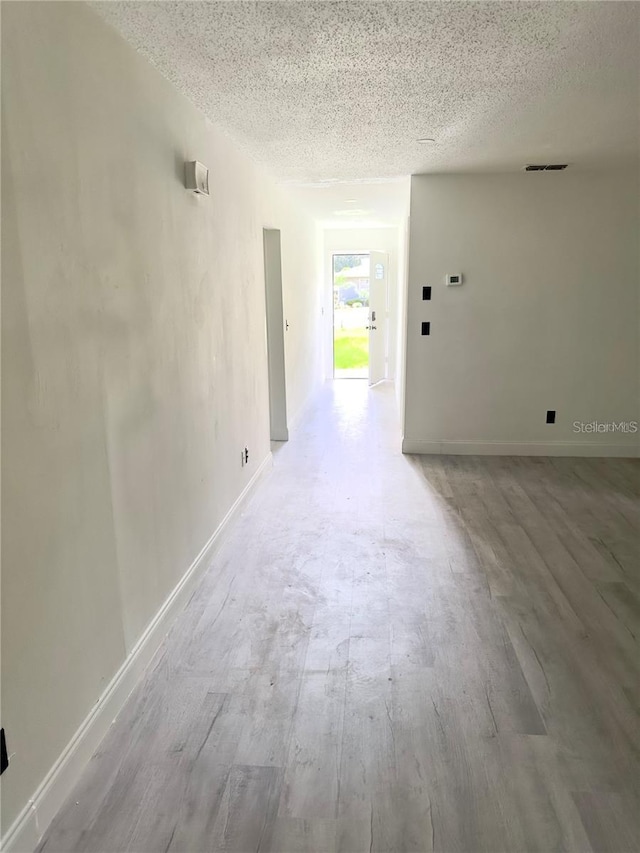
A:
x: 519, y: 448
x: 32, y: 822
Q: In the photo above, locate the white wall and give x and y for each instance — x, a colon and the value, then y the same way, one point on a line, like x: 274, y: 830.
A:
x: 354, y: 241
x: 134, y: 359
x: 401, y: 320
x: 547, y: 317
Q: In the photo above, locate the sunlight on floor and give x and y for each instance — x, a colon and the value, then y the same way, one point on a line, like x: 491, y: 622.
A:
x: 352, y: 373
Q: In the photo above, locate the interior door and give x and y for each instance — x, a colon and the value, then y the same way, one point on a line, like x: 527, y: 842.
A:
x: 275, y: 335
x: 378, y: 276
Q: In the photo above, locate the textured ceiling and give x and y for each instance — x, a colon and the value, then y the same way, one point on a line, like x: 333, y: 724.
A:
x: 340, y: 91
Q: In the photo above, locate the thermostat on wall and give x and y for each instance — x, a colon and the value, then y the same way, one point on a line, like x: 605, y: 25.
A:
x: 454, y: 279
x: 196, y: 177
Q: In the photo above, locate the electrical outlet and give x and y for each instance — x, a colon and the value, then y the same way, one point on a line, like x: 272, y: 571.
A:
x: 551, y: 416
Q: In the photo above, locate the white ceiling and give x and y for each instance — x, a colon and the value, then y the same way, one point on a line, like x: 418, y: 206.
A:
x: 355, y: 204
x: 332, y: 95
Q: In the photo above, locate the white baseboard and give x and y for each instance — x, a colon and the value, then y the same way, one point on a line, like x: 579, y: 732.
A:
x: 26, y: 831
x: 518, y: 448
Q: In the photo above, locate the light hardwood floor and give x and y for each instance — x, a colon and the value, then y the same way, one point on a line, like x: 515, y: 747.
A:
x: 391, y: 654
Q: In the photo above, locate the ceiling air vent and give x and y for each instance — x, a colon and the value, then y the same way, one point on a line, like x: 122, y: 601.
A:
x: 548, y: 167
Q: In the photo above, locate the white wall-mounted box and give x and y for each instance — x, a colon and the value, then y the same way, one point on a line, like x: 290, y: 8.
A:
x: 196, y: 177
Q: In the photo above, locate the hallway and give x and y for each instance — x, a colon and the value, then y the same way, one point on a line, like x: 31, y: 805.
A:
x: 390, y: 653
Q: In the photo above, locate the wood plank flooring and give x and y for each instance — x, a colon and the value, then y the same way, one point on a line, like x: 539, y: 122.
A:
x: 391, y: 654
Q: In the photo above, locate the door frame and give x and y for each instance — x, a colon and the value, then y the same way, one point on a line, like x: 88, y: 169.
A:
x: 328, y: 311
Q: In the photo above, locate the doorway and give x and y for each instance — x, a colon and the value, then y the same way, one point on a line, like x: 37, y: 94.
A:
x: 350, y: 316
x: 360, y: 314
x: 275, y: 335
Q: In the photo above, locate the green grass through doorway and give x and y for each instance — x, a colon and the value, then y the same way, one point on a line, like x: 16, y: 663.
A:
x: 350, y: 348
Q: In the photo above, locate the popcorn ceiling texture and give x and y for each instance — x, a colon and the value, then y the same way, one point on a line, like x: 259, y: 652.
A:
x: 325, y: 91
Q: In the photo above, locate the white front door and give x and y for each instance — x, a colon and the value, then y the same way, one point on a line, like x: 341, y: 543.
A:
x: 378, y: 276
